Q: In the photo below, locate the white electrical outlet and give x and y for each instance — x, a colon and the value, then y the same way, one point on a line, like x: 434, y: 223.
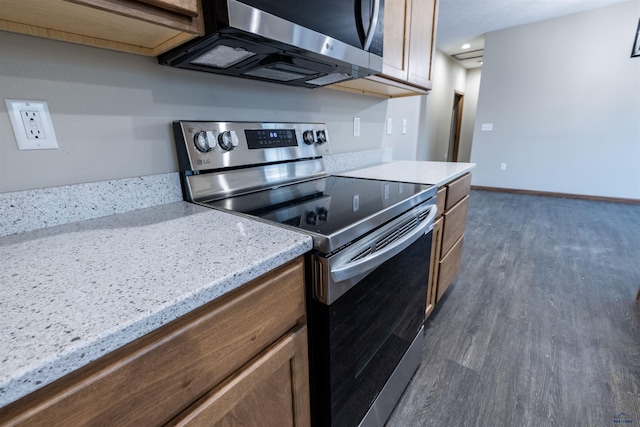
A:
x: 389, y: 126
x: 356, y: 126
x: 31, y: 123
x: 404, y: 126
x: 487, y: 127
x: 503, y: 166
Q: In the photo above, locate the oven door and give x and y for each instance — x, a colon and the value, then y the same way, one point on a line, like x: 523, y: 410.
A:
x: 366, y: 345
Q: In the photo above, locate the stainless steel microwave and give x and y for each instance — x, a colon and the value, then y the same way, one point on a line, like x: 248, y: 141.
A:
x: 309, y: 43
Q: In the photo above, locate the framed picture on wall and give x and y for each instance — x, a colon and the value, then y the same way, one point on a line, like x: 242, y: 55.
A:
x: 636, y: 42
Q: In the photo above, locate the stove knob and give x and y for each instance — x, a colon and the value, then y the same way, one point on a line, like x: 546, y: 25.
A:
x: 228, y: 140
x: 307, y: 137
x: 322, y: 214
x: 311, y: 218
x: 204, y: 141
x: 322, y: 136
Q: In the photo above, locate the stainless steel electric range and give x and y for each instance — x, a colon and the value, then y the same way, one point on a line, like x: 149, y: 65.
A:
x: 367, y: 273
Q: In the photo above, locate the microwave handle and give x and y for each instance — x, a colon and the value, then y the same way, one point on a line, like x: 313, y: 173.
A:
x: 373, y: 24
x: 373, y: 261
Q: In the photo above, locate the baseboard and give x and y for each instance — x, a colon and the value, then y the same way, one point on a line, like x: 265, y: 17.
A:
x: 564, y: 195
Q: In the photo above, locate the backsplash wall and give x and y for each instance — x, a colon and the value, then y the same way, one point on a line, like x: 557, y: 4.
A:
x: 112, y: 112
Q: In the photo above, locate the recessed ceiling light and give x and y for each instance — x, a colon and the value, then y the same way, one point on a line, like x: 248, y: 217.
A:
x: 466, y: 46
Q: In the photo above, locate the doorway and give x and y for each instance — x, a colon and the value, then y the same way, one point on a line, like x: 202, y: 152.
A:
x: 456, y: 125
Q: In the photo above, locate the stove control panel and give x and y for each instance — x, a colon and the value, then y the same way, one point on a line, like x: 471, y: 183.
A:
x: 203, y: 145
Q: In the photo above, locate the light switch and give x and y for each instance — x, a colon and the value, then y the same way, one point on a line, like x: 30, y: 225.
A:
x: 487, y: 126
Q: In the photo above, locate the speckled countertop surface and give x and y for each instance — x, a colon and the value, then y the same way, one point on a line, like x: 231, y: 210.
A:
x: 437, y: 173
x: 72, y: 293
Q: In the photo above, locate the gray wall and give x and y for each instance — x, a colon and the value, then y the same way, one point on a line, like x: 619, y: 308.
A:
x: 564, y: 99
x: 448, y: 77
x: 112, y: 112
x: 414, y: 110
x: 471, y: 91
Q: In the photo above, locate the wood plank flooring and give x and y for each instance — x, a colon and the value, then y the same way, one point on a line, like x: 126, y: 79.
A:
x: 541, y: 325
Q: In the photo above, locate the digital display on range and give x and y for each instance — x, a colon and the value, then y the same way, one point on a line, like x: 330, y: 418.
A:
x: 270, y: 138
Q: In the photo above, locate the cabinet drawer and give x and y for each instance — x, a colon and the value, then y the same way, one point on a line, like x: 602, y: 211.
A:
x: 271, y: 391
x: 455, y: 221
x: 441, y: 198
x: 449, y: 266
x: 457, y: 190
x: 153, y: 379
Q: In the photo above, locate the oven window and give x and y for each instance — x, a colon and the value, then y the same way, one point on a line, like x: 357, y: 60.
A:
x: 359, y: 339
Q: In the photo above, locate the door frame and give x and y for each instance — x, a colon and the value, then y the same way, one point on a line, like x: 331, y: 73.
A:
x: 456, y: 126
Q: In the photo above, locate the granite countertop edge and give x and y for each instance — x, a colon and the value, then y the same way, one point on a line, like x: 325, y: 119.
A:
x: 421, y: 172
x: 28, y: 366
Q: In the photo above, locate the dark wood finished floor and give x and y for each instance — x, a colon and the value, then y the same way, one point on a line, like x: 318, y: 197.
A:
x: 541, y: 325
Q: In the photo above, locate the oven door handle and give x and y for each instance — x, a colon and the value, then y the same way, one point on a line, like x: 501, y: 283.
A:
x: 364, y: 265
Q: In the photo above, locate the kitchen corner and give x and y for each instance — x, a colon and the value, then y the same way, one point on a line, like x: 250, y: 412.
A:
x: 81, y: 290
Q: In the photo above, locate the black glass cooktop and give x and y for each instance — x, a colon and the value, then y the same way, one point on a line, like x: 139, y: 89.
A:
x: 327, y: 206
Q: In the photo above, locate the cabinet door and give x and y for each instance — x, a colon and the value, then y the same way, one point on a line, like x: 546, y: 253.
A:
x: 397, y: 19
x: 146, y: 27
x: 449, y: 266
x: 184, y: 7
x: 421, y: 38
x: 455, y: 220
x: 176, y: 14
x: 271, y: 391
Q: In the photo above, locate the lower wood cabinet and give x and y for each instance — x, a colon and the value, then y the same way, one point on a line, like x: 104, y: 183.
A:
x: 448, y: 236
x: 449, y: 266
x: 455, y: 221
x: 239, y: 360
x: 266, y: 393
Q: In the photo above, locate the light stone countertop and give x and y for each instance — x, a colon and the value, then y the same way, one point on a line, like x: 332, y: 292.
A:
x: 72, y: 293
x: 436, y: 173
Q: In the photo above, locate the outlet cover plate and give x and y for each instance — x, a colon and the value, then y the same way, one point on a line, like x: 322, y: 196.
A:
x: 31, y: 123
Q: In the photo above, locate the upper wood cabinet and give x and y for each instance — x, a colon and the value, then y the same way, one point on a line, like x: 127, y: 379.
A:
x: 147, y: 27
x: 409, y: 43
x: 397, y: 34
x: 184, y: 7
x: 421, y: 42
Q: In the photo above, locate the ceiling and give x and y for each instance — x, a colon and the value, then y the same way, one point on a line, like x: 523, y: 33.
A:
x: 466, y: 21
